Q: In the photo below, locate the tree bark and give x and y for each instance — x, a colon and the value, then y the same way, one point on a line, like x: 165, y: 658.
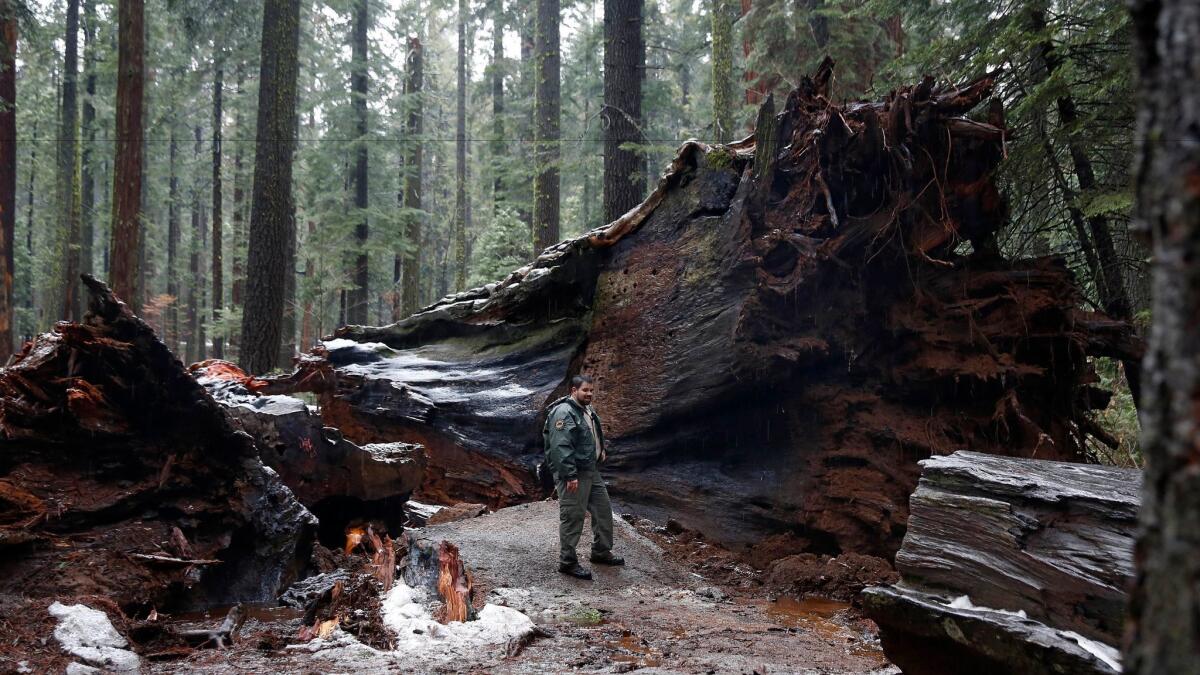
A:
x: 127, y: 166
x: 87, y: 180
x: 218, y: 281
x: 722, y: 70
x: 239, y: 198
x: 498, y: 196
x: 272, y: 216
x: 195, y: 349
x: 410, y: 281
x: 1165, y: 607
x: 171, y: 336
x: 547, y: 113
x: 460, y: 156
x: 624, y: 64
x: 356, y: 311
x: 8, y: 171
x: 66, y: 192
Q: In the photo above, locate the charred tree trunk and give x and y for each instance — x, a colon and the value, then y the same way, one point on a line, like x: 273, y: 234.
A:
x: 1166, y: 600
x: 218, y: 262
x: 624, y: 65
x: 547, y: 113
x: 460, y: 156
x: 8, y: 171
x: 127, y: 169
x: 357, y: 302
x: 272, y: 215
x: 410, y: 281
x: 722, y: 70
x: 66, y: 192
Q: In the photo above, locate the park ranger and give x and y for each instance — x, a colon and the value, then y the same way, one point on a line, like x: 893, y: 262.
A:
x: 574, y: 449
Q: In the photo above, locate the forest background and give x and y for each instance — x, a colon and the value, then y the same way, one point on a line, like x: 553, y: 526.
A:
x: 445, y: 142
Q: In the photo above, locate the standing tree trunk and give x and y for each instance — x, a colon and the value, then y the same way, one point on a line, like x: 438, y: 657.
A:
x: 356, y: 311
x: 1110, y: 281
x: 722, y: 70
x: 8, y: 171
x: 218, y: 291
x: 195, y: 348
x: 460, y: 156
x: 272, y: 216
x: 239, y: 197
x: 547, y: 113
x: 87, y: 181
x: 127, y: 169
x: 308, y: 335
x: 1165, y: 606
x: 172, y: 318
x: 66, y: 193
x: 410, y: 281
x: 497, y: 105
x: 624, y: 64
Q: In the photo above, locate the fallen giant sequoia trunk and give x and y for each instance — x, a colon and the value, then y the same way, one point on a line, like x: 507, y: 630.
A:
x: 121, y: 477
x: 991, y: 537
x: 779, y: 333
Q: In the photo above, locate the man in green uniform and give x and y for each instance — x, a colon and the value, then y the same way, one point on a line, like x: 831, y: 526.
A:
x: 574, y: 448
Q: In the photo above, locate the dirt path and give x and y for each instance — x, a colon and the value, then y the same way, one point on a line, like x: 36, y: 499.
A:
x: 646, y: 616
x: 654, y: 615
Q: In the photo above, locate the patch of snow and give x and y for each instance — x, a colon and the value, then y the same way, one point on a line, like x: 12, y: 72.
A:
x: 1110, y: 655
x: 74, y: 668
x: 406, y: 614
x: 88, y: 634
x: 964, y: 602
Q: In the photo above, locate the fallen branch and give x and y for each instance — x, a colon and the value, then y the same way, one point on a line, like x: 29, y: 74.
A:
x: 169, y: 560
x: 221, y: 637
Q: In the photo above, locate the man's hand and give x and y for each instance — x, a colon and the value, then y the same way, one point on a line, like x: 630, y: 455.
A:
x: 572, y: 485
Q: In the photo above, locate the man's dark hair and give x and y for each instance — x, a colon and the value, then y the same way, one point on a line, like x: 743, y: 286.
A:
x: 578, y: 380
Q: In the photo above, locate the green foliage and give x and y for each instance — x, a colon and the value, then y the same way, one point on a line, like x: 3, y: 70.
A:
x: 1119, y: 419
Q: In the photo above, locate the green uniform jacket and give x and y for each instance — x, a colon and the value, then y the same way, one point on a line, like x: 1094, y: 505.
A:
x: 570, y: 447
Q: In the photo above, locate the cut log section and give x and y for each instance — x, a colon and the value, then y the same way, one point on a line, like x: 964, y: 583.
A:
x: 778, y: 335
x: 339, y: 481
x: 1011, y: 565
x: 121, y: 477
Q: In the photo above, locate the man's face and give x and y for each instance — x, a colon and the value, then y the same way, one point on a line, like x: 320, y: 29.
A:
x: 584, y: 393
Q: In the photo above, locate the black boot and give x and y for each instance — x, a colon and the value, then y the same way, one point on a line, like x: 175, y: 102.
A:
x: 576, y: 570
x: 609, y: 559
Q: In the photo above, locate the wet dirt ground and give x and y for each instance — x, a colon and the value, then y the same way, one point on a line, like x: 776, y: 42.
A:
x: 653, y: 615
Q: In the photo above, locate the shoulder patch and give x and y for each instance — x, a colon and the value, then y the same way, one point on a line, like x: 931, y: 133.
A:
x: 558, y: 424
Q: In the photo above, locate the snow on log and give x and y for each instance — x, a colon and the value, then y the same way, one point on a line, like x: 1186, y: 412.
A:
x: 1011, y: 565
x: 339, y: 481
x: 121, y: 477
x: 779, y: 333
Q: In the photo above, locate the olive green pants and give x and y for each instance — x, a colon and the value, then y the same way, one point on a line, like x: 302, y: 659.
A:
x: 591, y: 497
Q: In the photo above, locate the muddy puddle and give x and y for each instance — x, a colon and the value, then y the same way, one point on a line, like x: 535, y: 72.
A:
x: 835, y: 622
x: 263, y: 612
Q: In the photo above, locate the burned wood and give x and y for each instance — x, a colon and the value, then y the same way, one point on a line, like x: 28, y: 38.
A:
x: 339, y: 481
x: 759, y: 370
